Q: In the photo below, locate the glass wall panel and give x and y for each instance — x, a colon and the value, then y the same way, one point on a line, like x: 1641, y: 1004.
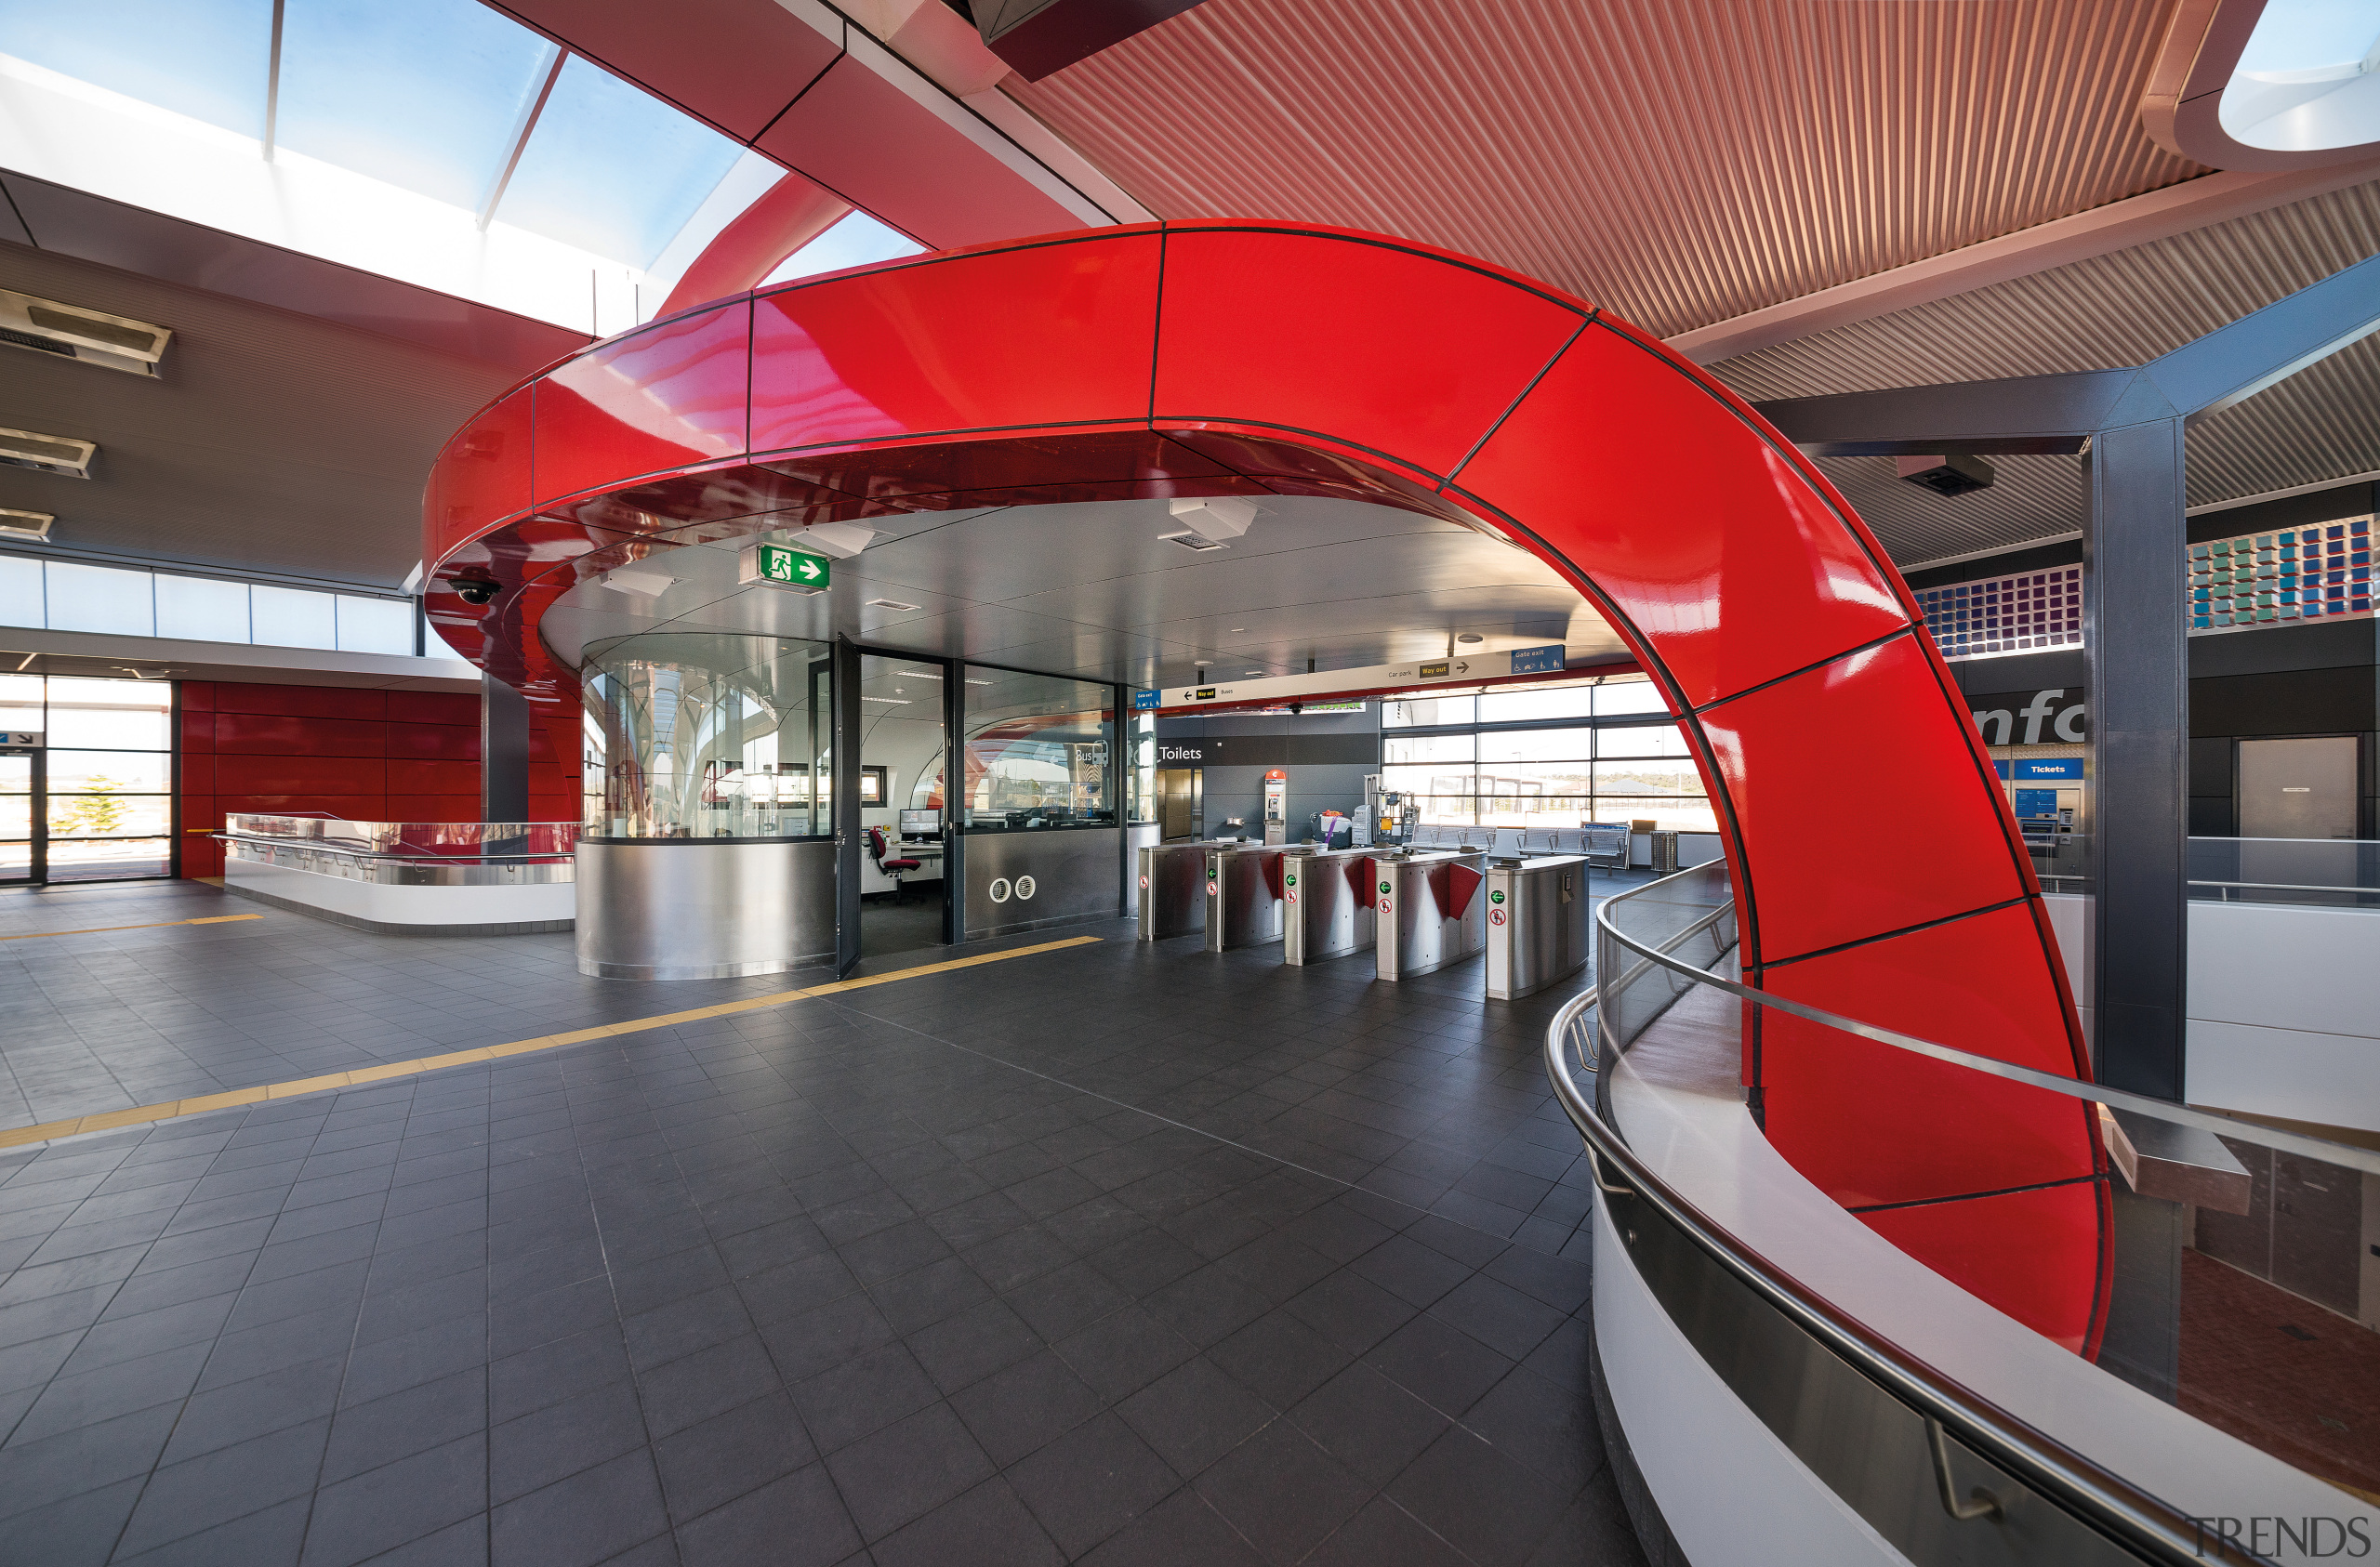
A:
x: 294, y: 618
x: 110, y: 809
x: 1426, y: 748
x: 1142, y: 803
x: 705, y: 735
x: 20, y: 593
x: 202, y: 609
x: 1536, y: 744
x: 1666, y: 813
x: 20, y: 705
x: 1423, y: 712
x: 100, y: 598
x: 1648, y: 776
x: 1040, y: 752
x: 1533, y: 703
x: 379, y: 626
x: 1620, y: 698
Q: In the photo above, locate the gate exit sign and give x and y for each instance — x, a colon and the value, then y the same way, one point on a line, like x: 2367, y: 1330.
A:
x: 774, y: 565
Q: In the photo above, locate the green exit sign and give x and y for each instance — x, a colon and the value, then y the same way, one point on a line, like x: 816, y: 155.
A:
x: 774, y: 565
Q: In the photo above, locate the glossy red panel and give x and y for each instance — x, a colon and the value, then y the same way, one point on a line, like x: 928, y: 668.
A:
x: 197, y: 696
x: 858, y: 131
x: 266, y: 735
x: 480, y: 477
x: 963, y: 463
x: 1354, y: 340
x: 1615, y: 436
x: 2034, y: 1255
x: 355, y: 807
x: 301, y: 701
x: 453, y: 743
x: 196, y: 729
x: 434, y: 708
x: 665, y: 397
x: 1931, y: 844
x: 202, y: 856
x: 825, y: 371
x: 290, y: 775
x: 434, y: 808
x: 433, y: 777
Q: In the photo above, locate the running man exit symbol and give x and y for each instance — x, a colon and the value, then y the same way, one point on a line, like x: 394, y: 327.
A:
x: 773, y: 565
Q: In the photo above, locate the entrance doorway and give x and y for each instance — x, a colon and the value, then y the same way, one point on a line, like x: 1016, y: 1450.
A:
x: 902, y: 804
x: 1180, y: 802
x: 21, y: 816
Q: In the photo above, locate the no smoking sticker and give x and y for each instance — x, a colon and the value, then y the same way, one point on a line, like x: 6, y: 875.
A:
x: 1495, y: 916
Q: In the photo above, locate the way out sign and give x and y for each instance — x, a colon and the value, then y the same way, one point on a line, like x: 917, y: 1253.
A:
x: 774, y: 565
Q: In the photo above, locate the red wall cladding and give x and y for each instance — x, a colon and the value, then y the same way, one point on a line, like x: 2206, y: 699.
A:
x: 368, y: 755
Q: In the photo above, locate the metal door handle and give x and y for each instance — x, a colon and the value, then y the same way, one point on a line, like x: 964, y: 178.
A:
x: 1983, y: 1504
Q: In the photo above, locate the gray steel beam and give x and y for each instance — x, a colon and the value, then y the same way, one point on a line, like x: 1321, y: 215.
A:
x: 2232, y: 363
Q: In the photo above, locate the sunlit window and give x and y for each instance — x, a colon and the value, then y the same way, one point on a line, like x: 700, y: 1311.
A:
x: 2308, y: 78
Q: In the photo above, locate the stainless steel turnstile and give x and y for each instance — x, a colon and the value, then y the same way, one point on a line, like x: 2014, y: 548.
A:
x: 1537, y: 924
x: 1326, y: 903
x: 1174, y: 888
x: 1431, y: 905
x: 1243, y: 896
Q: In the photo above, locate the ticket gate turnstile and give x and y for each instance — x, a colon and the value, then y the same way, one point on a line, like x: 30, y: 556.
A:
x: 1537, y: 924
x: 1429, y: 912
x: 1244, y: 889
x: 1173, y: 890
x: 1326, y: 904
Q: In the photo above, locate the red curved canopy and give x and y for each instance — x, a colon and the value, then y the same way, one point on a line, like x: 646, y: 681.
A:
x: 1250, y: 358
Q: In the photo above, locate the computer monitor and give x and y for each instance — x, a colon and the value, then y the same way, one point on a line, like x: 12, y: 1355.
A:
x: 921, y: 823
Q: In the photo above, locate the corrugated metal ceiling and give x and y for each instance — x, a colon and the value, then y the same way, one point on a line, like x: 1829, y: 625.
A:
x: 1679, y: 162
x: 2091, y: 315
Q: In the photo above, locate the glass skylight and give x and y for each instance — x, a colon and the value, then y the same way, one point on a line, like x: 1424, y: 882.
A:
x: 205, y: 58
x: 611, y: 169
x: 429, y: 95
x: 2308, y: 78
x: 855, y: 241
x: 391, y: 134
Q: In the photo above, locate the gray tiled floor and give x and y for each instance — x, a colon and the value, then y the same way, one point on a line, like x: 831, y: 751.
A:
x: 1120, y: 1253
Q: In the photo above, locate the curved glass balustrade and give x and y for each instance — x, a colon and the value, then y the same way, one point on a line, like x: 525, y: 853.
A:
x: 2225, y: 1406
x: 706, y: 735
x: 407, y: 853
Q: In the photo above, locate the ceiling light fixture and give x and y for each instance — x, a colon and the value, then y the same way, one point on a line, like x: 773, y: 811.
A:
x: 923, y: 674
x: 25, y: 524
x: 1214, y: 519
x: 645, y: 584
x: 889, y: 701
x: 1469, y: 638
x: 889, y: 604
x: 1954, y: 473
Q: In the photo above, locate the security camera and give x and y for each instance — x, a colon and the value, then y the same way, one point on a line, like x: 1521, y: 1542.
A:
x: 474, y: 590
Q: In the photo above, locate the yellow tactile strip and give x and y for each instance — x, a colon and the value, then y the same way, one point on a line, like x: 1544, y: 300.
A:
x: 140, y: 1114
x: 153, y: 925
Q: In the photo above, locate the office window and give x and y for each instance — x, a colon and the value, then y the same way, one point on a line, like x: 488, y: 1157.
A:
x: 1039, y: 749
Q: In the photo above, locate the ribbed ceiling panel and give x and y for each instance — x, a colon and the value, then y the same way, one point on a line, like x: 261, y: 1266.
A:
x: 1678, y: 161
x: 2124, y: 309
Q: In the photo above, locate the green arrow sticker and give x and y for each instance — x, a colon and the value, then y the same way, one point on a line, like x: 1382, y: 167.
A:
x: 1294, y: 881
x: 1495, y: 897
x: 1384, y: 886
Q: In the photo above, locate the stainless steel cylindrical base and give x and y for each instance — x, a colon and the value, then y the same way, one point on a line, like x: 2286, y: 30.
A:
x: 704, y: 908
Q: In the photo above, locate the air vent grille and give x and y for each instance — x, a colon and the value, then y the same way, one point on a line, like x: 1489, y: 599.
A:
x: 50, y: 454
x: 92, y: 337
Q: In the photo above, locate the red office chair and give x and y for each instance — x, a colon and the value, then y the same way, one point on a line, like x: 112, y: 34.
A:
x: 890, y: 867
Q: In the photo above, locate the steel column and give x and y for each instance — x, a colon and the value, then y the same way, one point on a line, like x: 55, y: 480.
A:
x: 954, y: 801
x: 849, y: 832
x: 503, y: 752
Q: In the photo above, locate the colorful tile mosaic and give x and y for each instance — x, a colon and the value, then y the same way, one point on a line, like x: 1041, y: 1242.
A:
x: 2291, y: 573
x: 2020, y: 613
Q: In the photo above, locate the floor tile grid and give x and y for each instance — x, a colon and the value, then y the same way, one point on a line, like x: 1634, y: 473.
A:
x: 865, y: 1087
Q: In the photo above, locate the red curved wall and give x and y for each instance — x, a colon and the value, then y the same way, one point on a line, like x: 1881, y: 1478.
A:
x: 1245, y: 357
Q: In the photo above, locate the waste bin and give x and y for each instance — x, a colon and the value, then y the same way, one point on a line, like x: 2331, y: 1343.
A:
x: 1663, y: 849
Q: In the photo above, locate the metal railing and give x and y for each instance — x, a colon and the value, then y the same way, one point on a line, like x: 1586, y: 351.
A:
x: 1684, y: 930
x: 407, y: 853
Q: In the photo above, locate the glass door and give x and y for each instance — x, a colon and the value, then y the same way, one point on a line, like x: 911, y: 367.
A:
x: 21, y: 816
x: 901, y: 754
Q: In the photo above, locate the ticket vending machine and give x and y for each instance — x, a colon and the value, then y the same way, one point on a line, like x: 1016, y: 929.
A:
x: 1277, y: 807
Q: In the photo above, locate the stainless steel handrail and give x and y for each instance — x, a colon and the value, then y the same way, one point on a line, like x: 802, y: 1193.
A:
x: 2115, y: 1098
x: 2047, y: 1465
x: 319, y: 846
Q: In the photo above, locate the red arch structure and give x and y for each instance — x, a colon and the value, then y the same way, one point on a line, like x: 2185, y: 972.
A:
x: 1251, y: 358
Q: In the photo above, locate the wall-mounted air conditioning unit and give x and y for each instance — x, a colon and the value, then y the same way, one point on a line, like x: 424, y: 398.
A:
x: 71, y: 332
x: 50, y: 454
